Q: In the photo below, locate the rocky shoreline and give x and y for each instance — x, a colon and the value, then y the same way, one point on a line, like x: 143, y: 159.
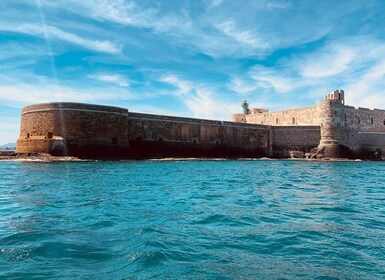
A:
x: 42, y: 157
x: 13, y: 156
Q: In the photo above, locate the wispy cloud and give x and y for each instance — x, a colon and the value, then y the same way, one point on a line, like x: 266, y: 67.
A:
x: 356, y: 64
x: 111, y: 78
x: 263, y: 78
x: 23, y: 94
x: 201, y: 100
x: 183, y: 87
x: 47, y: 31
x: 214, y: 3
x: 242, y: 85
x: 209, y: 33
x: 329, y: 61
x: 240, y: 35
x: 278, y: 5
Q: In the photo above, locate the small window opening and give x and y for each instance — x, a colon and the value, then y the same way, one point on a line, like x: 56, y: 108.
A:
x: 28, y: 135
x: 276, y: 121
x: 114, y: 140
x: 358, y: 120
x: 371, y: 120
x: 160, y: 139
x: 195, y: 141
x: 293, y: 121
x: 49, y: 135
x: 384, y: 122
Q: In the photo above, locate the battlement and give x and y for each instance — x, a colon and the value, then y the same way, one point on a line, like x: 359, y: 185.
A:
x: 254, y: 111
x: 97, y: 130
x: 337, y: 94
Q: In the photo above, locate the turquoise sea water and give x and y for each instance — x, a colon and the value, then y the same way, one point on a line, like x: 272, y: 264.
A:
x: 192, y: 220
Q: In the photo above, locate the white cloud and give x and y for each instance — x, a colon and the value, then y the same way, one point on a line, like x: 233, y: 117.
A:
x: 23, y: 94
x: 270, y: 78
x: 215, y: 3
x: 367, y: 90
x: 119, y: 11
x: 240, y: 35
x: 111, y: 78
x: 183, y: 86
x: 278, y: 5
x: 355, y: 64
x: 202, y: 101
x: 330, y: 61
x: 48, y: 31
x: 264, y: 78
x: 242, y: 86
x: 208, y: 32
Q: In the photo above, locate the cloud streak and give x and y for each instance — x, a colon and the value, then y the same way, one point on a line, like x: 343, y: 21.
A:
x: 239, y: 35
x: 111, y: 78
x: 47, y: 31
x: 201, y: 100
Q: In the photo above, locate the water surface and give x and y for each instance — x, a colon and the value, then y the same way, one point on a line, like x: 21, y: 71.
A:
x: 192, y: 220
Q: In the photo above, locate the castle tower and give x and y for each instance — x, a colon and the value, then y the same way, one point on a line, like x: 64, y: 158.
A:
x: 73, y: 129
x: 331, y: 118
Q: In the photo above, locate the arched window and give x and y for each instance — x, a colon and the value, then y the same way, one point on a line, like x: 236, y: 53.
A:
x: 293, y: 120
x: 371, y: 120
x: 276, y: 121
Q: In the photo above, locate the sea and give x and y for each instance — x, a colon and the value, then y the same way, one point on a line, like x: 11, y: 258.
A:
x: 192, y: 219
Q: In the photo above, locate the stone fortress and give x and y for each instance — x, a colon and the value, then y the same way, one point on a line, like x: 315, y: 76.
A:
x: 328, y: 130
x: 344, y: 130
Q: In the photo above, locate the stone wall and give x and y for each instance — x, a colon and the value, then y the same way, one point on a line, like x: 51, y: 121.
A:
x: 77, y: 129
x: 197, y: 134
x: 371, y: 141
x: 365, y: 120
x: 296, y: 138
x: 365, y: 128
x: 291, y: 117
x: 72, y: 128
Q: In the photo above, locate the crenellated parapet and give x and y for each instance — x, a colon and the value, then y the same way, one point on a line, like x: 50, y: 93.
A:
x: 342, y: 128
x: 337, y: 94
x: 328, y: 129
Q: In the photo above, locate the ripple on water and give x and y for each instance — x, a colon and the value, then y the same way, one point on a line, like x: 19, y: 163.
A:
x: 192, y: 220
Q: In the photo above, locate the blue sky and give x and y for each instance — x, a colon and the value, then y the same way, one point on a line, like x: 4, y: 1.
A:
x: 197, y: 58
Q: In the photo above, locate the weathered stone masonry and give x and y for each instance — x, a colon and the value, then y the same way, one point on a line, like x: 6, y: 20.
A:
x: 342, y: 127
x: 94, y: 130
x: 59, y: 128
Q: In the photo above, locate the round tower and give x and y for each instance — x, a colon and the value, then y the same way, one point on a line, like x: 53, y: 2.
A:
x: 331, y: 118
x: 73, y: 129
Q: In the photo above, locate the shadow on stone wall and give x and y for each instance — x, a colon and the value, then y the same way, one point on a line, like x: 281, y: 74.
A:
x: 142, y: 149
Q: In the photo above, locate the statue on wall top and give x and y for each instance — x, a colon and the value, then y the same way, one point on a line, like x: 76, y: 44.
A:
x: 245, y: 106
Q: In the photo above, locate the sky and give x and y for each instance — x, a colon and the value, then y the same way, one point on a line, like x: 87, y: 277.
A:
x: 193, y: 58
